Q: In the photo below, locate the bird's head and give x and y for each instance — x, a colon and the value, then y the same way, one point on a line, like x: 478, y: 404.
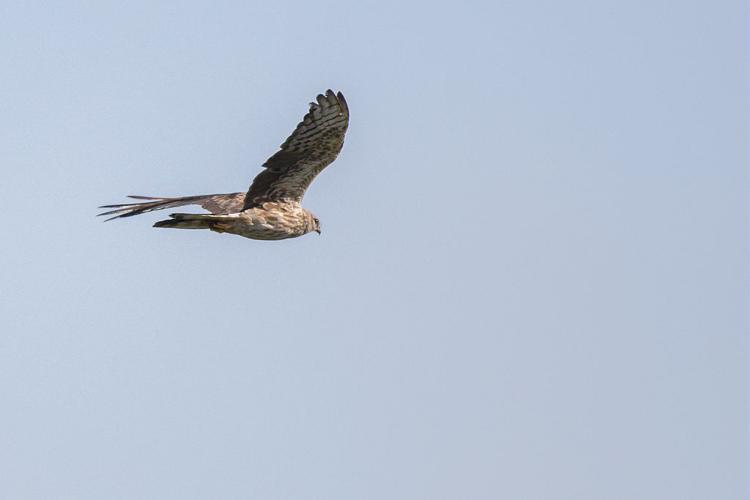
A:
x: 313, y: 223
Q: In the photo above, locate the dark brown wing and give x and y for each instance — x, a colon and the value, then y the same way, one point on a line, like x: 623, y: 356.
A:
x: 214, y: 203
x: 313, y: 145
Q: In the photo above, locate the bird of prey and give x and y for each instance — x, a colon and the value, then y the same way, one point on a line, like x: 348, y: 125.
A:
x: 271, y: 209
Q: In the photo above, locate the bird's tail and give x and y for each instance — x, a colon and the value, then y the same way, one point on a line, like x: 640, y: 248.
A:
x: 218, y: 223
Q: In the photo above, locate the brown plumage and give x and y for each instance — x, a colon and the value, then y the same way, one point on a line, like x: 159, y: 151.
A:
x: 270, y: 210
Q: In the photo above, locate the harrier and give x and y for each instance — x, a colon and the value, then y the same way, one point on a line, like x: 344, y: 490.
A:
x: 271, y: 209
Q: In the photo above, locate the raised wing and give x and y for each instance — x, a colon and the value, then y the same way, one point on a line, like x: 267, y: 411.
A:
x: 313, y: 145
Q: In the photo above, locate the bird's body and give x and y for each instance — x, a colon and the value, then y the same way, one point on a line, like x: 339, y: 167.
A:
x: 271, y: 209
x: 270, y: 221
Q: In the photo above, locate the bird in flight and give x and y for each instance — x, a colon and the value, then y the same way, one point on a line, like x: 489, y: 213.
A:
x: 271, y: 209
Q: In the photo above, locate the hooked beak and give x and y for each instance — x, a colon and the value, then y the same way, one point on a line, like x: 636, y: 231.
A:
x: 317, y: 231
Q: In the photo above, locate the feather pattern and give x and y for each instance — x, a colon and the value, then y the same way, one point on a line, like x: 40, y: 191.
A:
x: 313, y: 145
x: 214, y: 203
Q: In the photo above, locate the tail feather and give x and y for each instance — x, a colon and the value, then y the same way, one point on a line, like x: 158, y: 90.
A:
x: 195, y: 221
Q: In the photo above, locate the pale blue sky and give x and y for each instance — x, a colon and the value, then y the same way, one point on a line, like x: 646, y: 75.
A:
x: 531, y: 282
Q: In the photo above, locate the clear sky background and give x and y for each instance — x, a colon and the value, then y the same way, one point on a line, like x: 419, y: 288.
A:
x: 531, y: 282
